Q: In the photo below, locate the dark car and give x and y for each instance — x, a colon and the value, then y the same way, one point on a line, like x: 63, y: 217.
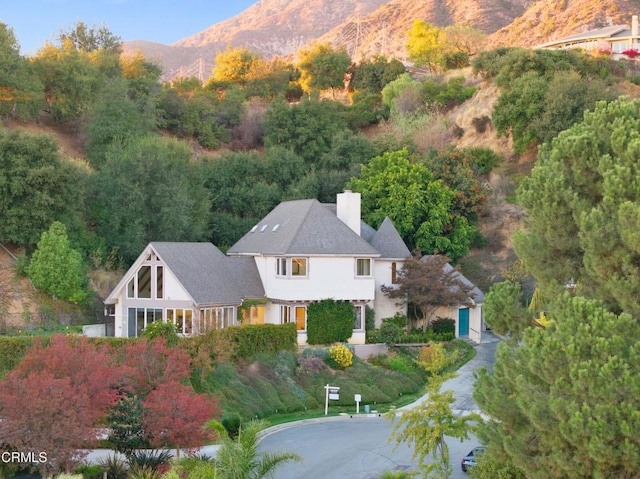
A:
x: 470, y: 459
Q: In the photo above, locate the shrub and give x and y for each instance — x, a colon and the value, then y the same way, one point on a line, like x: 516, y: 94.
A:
x: 89, y: 472
x: 341, y: 355
x: 480, y: 123
x: 161, y: 329
x: 443, y: 325
x: 398, y: 319
x: 115, y: 467
x: 329, y: 321
x: 390, y: 333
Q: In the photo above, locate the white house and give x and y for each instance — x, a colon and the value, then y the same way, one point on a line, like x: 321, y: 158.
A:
x: 618, y: 38
x: 302, y: 251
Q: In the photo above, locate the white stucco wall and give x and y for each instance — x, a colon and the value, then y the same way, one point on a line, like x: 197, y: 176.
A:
x: 328, y: 277
x: 383, y: 306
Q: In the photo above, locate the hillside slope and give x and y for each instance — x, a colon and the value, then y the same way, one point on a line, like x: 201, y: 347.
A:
x: 547, y: 20
x: 368, y: 27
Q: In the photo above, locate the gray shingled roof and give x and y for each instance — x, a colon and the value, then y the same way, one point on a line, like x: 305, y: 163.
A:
x: 476, y: 293
x: 305, y: 227
x: 205, y: 272
x: 388, y: 242
x: 247, y: 277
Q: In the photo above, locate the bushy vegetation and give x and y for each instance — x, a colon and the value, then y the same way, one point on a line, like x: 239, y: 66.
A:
x: 544, y: 91
x: 329, y: 321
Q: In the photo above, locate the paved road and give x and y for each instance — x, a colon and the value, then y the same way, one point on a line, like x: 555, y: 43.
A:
x: 358, y: 448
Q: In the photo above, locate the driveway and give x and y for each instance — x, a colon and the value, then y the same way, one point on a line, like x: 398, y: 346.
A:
x: 359, y: 448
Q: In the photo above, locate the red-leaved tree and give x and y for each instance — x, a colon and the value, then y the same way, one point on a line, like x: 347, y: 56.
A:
x: 53, y: 400
x: 175, y: 416
x: 148, y: 364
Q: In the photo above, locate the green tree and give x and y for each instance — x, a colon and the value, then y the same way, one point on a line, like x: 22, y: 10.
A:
x: 56, y: 268
x: 146, y: 191
x: 323, y: 67
x: 113, y: 118
x: 36, y: 187
x: 21, y: 93
x: 239, y: 458
x: 124, y: 420
x: 425, y: 426
x: 374, y: 74
x: 71, y: 80
x: 306, y: 128
x: 565, y: 402
x: 582, y: 208
x: 271, y: 79
x: 396, y: 185
x: 454, y: 168
x: 89, y: 39
x: 504, y: 311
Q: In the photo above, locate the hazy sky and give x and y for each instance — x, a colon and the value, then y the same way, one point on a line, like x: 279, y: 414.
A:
x: 163, y: 21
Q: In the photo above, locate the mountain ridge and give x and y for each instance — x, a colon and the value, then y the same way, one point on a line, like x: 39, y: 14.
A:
x: 369, y: 27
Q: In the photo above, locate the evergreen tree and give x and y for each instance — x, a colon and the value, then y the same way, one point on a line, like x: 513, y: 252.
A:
x: 583, y: 216
x: 56, y: 268
x: 565, y: 402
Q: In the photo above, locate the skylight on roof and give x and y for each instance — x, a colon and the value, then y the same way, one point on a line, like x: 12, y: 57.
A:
x: 275, y: 228
x: 263, y: 228
x: 253, y: 230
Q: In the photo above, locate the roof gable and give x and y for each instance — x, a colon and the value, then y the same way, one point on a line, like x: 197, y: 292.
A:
x: 388, y: 242
x: 203, y: 270
x: 304, y: 227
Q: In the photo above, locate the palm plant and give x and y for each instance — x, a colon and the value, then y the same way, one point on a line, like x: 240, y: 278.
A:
x: 239, y: 458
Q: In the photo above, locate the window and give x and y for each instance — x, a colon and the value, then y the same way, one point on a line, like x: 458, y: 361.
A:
x: 298, y: 266
x: 285, y: 314
x: 358, y: 314
x: 141, y: 318
x: 394, y: 273
x: 291, y: 267
x: 159, y: 282
x: 281, y: 266
x: 144, y: 282
x: 363, y: 267
x: 182, y: 318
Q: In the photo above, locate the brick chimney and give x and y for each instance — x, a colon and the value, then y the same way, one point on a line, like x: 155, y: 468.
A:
x: 348, y: 209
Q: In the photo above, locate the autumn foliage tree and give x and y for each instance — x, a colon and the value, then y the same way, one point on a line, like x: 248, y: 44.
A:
x: 429, y: 282
x: 160, y: 408
x: 54, y: 398
x: 174, y: 416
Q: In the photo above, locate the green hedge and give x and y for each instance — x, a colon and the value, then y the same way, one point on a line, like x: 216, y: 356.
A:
x: 329, y: 321
x: 245, y: 341
x: 261, y: 338
x: 13, y: 349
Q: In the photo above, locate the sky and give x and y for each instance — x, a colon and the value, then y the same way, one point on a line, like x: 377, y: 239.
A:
x: 164, y: 21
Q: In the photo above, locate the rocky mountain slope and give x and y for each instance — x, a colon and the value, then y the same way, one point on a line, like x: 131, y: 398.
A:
x: 367, y: 27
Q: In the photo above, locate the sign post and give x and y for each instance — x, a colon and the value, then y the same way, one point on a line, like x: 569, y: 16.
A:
x: 331, y: 392
x: 357, y: 398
